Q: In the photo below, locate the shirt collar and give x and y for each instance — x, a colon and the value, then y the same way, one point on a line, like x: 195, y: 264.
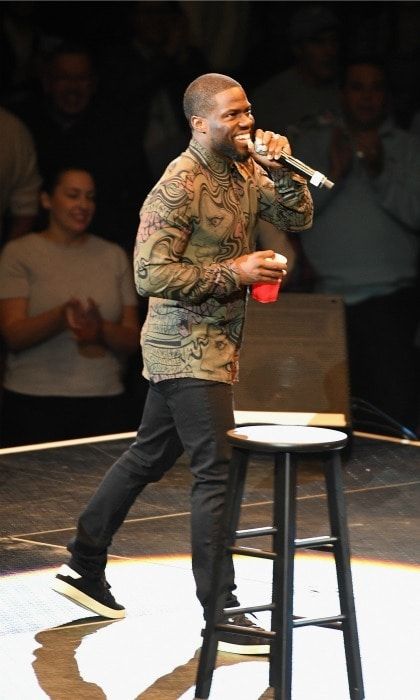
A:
x: 219, y: 165
x: 387, y: 126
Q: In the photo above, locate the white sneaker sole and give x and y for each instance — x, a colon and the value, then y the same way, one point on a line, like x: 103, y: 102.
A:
x: 85, y: 601
x: 249, y: 649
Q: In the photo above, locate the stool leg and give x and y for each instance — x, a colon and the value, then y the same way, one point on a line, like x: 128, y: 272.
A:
x: 338, y: 520
x: 226, y: 538
x: 284, y: 519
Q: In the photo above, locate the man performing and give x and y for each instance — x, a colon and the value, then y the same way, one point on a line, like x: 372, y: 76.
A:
x: 194, y: 258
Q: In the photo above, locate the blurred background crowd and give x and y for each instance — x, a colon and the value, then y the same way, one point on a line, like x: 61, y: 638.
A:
x: 91, y: 114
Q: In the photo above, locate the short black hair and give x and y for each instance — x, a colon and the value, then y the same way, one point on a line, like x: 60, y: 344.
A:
x: 54, y: 175
x: 199, y: 95
x: 65, y: 47
x: 362, y: 59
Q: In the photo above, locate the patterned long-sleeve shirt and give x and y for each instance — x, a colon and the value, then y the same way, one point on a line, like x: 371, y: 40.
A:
x: 197, y: 219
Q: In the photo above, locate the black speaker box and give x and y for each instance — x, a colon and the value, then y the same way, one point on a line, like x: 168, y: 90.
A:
x: 293, y: 365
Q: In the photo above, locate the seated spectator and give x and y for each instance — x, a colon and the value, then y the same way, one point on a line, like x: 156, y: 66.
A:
x: 19, y: 177
x: 306, y: 93
x: 23, y: 39
x: 364, y: 244
x: 303, y: 95
x: 147, y: 76
x: 68, y: 316
x: 70, y: 122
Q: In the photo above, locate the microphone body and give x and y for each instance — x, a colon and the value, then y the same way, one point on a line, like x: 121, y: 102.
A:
x: 314, y: 176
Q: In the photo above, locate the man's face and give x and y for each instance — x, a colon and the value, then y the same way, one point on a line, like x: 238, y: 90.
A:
x: 319, y: 56
x: 70, y: 83
x: 230, y: 125
x: 364, y: 96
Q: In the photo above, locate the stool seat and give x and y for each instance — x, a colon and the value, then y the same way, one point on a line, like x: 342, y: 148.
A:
x: 286, y: 438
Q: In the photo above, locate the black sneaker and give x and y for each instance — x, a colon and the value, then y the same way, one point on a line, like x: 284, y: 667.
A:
x: 241, y: 643
x: 93, y: 594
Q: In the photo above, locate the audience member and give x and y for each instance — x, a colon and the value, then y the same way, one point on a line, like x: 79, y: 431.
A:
x: 364, y: 243
x: 68, y: 316
x: 312, y: 98
x: 404, y: 62
x: 22, y: 42
x: 306, y: 93
x: 19, y: 177
x: 224, y: 31
x: 70, y: 122
x: 147, y: 77
x: 390, y: 31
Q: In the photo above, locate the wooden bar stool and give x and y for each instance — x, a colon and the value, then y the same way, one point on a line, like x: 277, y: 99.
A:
x: 287, y: 444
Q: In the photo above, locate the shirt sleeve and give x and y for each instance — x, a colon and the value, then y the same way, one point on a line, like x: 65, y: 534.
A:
x: 14, y: 274
x: 284, y: 199
x: 27, y: 181
x: 397, y: 188
x: 161, y: 264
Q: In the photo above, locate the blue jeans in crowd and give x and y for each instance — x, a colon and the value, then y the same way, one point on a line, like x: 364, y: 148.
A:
x: 179, y: 414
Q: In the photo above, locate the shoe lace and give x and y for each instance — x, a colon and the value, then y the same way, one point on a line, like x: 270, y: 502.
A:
x: 243, y: 620
x: 105, y: 583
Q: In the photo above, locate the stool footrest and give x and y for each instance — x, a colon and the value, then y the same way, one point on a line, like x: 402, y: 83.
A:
x: 334, y: 621
x: 248, y: 631
x: 256, y: 532
x: 252, y: 552
x: 320, y: 544
x: 316, y: 542
x: 248, y: 609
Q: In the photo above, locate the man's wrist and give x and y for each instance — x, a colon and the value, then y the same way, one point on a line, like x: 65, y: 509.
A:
x: 235, y: 270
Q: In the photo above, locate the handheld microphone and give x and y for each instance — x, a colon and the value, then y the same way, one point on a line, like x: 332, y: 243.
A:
x: 314, y: 176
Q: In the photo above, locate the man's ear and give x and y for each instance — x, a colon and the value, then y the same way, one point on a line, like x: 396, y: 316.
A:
x: 199, y: 124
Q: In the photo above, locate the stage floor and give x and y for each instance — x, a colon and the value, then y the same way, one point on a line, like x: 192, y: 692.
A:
x: 50, y: 648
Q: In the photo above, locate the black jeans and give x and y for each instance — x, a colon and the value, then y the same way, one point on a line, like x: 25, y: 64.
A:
x: 179, y: 414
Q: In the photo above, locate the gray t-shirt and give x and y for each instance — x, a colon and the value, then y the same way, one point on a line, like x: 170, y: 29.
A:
x: 48, y: 274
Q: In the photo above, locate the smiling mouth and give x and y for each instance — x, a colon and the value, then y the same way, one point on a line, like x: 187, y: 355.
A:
x: 243, y: 138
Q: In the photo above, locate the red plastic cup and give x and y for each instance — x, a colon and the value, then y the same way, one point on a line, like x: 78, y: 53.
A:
x: 266, y: 292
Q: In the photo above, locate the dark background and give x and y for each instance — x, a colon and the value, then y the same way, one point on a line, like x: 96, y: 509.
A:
x: 248, y: 40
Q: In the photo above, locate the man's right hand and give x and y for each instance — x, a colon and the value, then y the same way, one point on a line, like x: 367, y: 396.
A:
x: 259, y: 267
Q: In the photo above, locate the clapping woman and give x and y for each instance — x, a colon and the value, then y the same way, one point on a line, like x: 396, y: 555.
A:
x: 69, y: 319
